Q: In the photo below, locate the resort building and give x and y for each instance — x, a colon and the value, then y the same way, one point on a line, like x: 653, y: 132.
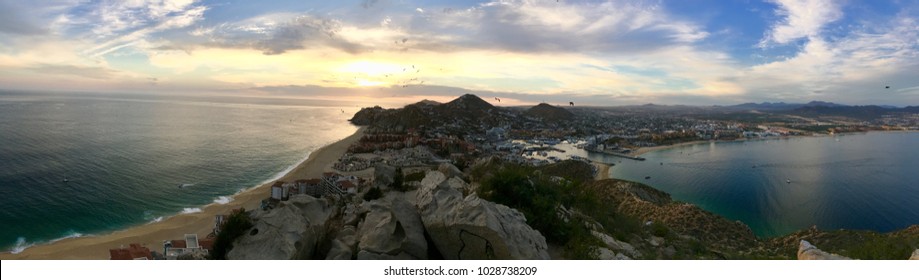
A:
x: 188, y: 245
x: 133, y: 252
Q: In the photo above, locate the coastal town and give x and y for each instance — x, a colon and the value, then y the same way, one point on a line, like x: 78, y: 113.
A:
x: 428, y: 144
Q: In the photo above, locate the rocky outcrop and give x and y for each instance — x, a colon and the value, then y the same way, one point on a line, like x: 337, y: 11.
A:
x: 392, y: 230
x: 607, y: 254
x: 344, y: 245
x: 622, y: 248
x: 807, y: 251
x: 472, y: 228
x: 915, y: 256
x: 290, y: 231
x: 450, y: 170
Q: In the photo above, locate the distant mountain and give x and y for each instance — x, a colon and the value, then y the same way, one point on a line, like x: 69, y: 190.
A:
x: 469, y: 103
x: 427, y: 102
x: 548, y: 113
x: 466, y: 111
x: 869, y: 112
x: 782, y: 106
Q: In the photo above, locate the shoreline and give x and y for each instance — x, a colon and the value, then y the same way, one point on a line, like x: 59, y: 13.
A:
x: 645, y: 150
x: 151, y: 235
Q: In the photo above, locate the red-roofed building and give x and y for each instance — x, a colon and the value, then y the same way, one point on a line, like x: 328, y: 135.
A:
x: 347, y: 186
x: 190, y: 244
x: 133, y: 252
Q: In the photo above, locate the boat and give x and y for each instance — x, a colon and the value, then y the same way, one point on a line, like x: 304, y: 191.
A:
x: 647, y: 177
x: 65, y: 180
x: 788, y: 181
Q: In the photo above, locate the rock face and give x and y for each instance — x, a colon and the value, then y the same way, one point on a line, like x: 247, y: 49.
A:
x: 473, y: 228
x: 806, y: 251
x: 344, y: 245
x: 450, y: 170
x: 290, y: 231
x: 615, y: 246
x: 392, y: 230
x: 915, y: 256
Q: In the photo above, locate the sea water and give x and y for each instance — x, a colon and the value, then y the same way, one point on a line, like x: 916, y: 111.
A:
x: 74, y: 164
x: 778, y: 186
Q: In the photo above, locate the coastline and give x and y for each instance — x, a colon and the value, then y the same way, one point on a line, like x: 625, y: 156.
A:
x: 644, y: 150
x: 151, y: 235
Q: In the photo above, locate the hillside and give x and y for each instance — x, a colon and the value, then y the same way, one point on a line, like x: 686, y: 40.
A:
x: 549, y: 113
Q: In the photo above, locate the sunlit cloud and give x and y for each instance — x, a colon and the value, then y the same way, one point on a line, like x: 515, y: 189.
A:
x: 602, y: 52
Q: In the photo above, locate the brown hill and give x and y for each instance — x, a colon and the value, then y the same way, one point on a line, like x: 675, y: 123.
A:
x: 548, y: 112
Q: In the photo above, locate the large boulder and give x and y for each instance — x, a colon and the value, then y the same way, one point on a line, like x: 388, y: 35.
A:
x: 392, y: 230
x: 450, y: 170
x: 616, y: 245
x: 290, y: 231
x: 473, y: 228
x: 806, y: 251
x: 344, y: 244
x: 915, y: 256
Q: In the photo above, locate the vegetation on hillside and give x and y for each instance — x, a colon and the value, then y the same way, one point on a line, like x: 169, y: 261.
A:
x: 237, y: 224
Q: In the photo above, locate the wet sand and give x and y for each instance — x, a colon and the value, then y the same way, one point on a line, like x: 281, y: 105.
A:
x: 202, y: 223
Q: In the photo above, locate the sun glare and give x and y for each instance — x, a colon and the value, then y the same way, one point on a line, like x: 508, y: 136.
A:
x: 371, y: 68
x: 368, y: 83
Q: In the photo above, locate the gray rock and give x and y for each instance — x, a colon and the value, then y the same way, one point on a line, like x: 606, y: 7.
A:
x: 392, y: 228
x: 656, y: 241
x: 915, y: 256
x: 432, y: 179
x: 193, y: 255
x: 290, y: 231
x: 450, y: 170
x: 365, y: 255
x: 457, y: 184
x: 344, y: 245
x: 617, y: 245
x: 806, y: 251
x: 472, y: 228
x: 605, y: 254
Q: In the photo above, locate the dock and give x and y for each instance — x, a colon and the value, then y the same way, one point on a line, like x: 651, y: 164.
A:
x: 614, y: 154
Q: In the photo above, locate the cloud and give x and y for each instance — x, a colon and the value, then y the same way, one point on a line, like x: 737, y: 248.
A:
x: 302, y: 30
x: 13, y: 21
x: 849, y: 67
x: 73, y: 70
x: 132, y: 22
x: 546, y: 26
x: 801, y: 19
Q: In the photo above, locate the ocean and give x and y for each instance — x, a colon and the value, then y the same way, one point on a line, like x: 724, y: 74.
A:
x: 74, y: 164
x: 778, y: 186
x: 781, y: 185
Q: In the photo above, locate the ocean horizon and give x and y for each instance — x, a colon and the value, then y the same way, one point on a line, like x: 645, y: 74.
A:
x: 88, y: 164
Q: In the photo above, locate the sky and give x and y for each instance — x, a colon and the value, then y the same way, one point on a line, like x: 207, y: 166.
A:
x: 615, y: 52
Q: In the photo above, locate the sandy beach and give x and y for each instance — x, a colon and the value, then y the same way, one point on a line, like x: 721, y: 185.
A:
x: 152, y: 235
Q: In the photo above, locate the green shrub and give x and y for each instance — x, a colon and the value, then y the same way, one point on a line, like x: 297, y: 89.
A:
x: 373, y: 194
x: 415, y: 177
x: 236, y: 225
x: 659, y: 229
x: 397, y: 180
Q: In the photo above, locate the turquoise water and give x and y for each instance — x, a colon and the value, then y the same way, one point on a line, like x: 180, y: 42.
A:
x: 853, y: 181
x: 125, y: 156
